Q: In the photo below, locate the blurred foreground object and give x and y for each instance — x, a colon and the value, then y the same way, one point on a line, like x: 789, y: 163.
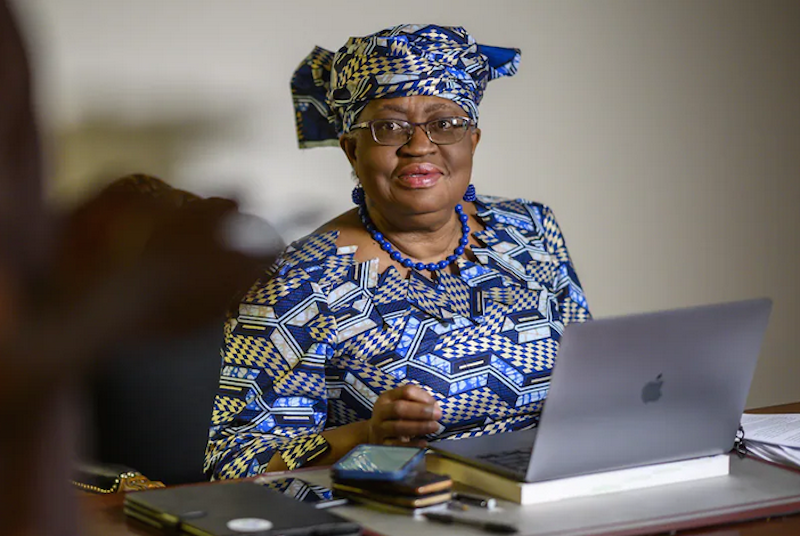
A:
x: 121, y: 268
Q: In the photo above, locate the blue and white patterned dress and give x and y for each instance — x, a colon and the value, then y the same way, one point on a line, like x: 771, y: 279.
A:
x: 316, y: 343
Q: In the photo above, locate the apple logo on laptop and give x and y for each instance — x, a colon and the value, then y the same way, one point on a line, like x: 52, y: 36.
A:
x: 651, y: 392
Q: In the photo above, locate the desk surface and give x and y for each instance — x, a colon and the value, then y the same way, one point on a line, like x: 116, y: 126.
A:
x: 104, y: 515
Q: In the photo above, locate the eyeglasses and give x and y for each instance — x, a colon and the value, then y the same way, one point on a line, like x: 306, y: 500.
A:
x: 442, y: 131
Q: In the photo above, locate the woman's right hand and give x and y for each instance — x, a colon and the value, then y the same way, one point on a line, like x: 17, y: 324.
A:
x: 402, y: 416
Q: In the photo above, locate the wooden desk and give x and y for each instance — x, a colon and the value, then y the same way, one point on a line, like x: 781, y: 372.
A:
x: 103, y: 514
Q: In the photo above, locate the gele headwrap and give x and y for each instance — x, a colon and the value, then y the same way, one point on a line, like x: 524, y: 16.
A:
x: 330, y: 90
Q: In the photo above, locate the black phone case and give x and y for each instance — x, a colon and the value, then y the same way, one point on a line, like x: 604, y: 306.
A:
x: 205, y: 510
x: 420, y: 483
x: 406, y: 501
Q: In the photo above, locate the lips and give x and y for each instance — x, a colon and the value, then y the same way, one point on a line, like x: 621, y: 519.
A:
x: 419, y: 175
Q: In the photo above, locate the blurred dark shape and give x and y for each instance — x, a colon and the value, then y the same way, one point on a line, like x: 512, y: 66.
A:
x: 23, y: 250
x: 22, y: 257
x: 120, y: 268
x: 152, y: 398
x: 151, y: 404
x: 169, y: 241
x: 151, y: 187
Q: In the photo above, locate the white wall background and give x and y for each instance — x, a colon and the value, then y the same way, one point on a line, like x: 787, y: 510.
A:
x: 665, y: 135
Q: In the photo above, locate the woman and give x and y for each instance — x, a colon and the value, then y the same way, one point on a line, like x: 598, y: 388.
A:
x: 424, y: 312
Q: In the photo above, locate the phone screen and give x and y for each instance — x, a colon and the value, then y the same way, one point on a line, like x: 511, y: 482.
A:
x: 377, y: 459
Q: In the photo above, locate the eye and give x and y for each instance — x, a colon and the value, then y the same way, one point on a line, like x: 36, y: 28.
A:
x: 388, y: 126
x: 443, y: 124
x: 447, y: 124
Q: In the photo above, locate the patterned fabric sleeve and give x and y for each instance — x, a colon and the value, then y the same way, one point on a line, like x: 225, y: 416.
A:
x: 272, y: 394
x: 568, y: 289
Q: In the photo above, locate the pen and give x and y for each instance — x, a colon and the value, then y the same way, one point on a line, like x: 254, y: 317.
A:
x: 475, y: 500
x: 488, y: 526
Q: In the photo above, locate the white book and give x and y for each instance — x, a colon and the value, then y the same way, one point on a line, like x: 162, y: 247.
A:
x: 632, y: 478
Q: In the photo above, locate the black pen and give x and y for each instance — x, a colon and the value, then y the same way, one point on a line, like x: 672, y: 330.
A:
x: 475, y: 500
x: 488, y: 526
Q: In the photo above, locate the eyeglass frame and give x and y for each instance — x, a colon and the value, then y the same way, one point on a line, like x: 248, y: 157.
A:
x: 368, y: 124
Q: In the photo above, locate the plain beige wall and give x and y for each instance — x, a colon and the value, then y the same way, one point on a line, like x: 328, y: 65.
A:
x: 665, y: 134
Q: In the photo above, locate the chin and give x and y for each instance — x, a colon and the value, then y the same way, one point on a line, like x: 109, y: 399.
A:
x: 425, y: 210
x: 426, y: 200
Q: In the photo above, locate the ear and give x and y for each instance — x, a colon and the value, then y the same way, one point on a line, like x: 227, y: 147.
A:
x: 475, y: 137
x: 348, y: 145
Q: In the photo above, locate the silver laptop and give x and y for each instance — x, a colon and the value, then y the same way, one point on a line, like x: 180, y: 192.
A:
x: 634, y: 390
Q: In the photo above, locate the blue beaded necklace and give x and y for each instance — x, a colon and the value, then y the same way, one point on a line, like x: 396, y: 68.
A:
x: 405, y: 261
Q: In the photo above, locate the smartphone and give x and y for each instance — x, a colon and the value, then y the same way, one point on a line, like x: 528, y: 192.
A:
x: 418, y: 483
x: 378, y: 462
x: 300, y: 490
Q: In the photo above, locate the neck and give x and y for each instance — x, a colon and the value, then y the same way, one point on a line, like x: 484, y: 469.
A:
x: 424, y: 238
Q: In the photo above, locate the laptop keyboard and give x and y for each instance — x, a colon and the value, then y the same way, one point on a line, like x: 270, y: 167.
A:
x: 516, y: 460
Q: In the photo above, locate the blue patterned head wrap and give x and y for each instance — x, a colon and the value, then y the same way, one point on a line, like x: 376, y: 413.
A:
x: 330, y: 90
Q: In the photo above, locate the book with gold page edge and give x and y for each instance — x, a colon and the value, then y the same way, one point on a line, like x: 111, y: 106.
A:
x: 645, y: 476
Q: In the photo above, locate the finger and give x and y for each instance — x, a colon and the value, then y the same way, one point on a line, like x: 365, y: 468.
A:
x: 407, y: 410
x: 249, y: 234
x: 398, y: 429
x: 415, y: 393
x: 221, y: 203
x: 417, y: 443
x: 409, y: 392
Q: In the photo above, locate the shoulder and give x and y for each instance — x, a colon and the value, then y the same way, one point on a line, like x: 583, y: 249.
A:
x: 295, y: 272
x: 352, y: 237
x: 499, y: 212
x: 347, y: 227
x: 315, y: 260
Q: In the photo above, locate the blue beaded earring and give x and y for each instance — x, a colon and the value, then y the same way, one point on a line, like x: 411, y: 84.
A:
x: 357, y: 195
x: 469, y: 195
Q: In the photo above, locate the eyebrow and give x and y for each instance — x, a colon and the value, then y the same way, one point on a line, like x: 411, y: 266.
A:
x: 400, y: 109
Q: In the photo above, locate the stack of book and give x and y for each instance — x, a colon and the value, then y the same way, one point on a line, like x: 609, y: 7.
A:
x: 773, y: 437
x: 420, y: 492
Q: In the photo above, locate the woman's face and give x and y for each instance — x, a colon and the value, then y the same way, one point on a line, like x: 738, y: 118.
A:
x: 419, y: 177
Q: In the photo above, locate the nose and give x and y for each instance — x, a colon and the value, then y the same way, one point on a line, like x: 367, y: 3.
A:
x: 419, y: 144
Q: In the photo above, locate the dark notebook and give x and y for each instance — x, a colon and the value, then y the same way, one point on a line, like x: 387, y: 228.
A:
x: 232, y: 509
